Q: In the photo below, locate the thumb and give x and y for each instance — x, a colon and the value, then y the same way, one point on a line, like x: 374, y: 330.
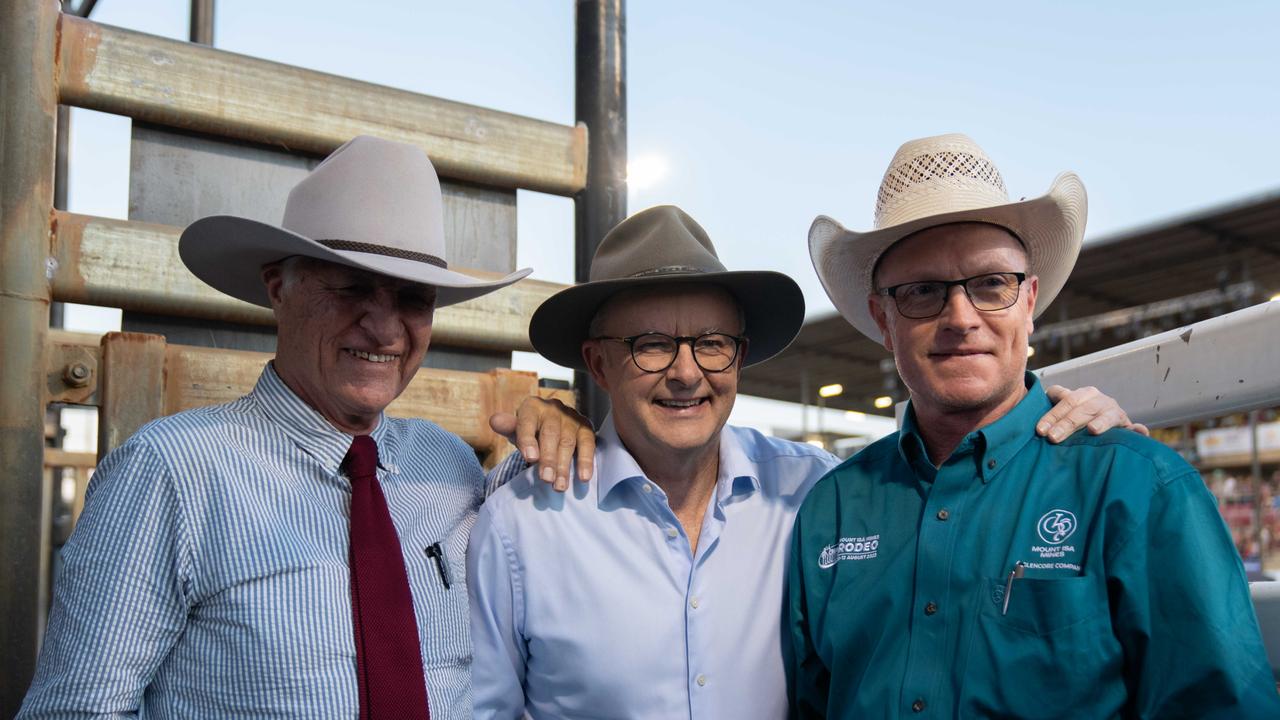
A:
x: 504, y: 424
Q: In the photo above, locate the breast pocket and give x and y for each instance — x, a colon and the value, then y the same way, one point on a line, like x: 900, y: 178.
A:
x: 440, y: 594
x: 1050, y: 652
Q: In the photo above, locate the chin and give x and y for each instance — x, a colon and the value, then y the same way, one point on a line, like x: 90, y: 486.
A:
x: 371, y: 402
x: 686, y: 439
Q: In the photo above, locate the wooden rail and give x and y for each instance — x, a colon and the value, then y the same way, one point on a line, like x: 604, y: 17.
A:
x: 198, y: 88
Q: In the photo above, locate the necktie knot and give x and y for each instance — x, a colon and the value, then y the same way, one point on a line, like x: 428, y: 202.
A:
x: 361, y: 460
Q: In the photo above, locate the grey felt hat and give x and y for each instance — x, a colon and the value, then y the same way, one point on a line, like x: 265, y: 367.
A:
x: 664, y: 246
x: 373, y: 204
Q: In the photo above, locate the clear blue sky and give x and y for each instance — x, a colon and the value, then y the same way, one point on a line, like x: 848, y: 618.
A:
x: 767, y: 114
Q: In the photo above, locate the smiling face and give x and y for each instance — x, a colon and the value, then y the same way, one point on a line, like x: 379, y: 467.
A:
x: 681, y: 409
x: 963, y: 361
x: 349, y: 341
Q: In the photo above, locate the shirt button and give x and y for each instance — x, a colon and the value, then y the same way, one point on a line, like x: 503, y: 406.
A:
x: 918, y: 705
x: 930, y: 608
x: 647, y: 488
x: 702, y: 680
x: 991, y: 464
x: 943, y: 514
x: 694, y: 603
x: 672, y: 532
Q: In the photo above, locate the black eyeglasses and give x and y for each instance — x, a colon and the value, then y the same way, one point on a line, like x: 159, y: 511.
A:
x: 988, y: 292
x: 654, y: 352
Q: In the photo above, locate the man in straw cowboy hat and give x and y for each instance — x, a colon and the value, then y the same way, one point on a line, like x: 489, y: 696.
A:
x: 295, y: 553
x: 664, y: 599
x: 964, y: 567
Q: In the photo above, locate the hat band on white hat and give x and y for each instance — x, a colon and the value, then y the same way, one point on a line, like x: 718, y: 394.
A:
x: 353, y: 246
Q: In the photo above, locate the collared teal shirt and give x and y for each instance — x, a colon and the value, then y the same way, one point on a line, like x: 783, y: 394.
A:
x: 1132, y: 601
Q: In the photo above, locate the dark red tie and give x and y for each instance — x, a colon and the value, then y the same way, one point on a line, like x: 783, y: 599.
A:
x: 388, y: 656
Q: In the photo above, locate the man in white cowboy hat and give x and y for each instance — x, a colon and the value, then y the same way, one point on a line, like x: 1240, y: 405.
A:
x: 664, y: 597
x: 964, y: 567
x: 295, y: 553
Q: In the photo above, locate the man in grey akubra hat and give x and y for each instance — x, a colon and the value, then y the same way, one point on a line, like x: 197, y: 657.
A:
x: 663, y: 596
x: 295, y: 553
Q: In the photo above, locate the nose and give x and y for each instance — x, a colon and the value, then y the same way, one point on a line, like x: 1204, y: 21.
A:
x: 685, y: 369
x: 380, y: 316
x: 958, y: 314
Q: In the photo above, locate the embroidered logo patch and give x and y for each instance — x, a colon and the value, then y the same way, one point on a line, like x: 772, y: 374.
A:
x: 1056, y: 526
x: 849, y: 548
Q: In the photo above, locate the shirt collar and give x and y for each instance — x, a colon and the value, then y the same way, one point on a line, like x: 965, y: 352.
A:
x: 1003, y: 438
x: 994, y: 444
x: 308, y: 429
x: 615, y: 466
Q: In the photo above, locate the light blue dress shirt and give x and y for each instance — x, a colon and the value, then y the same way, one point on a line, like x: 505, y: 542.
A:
x: 590, y: 604
x: 208, y: 576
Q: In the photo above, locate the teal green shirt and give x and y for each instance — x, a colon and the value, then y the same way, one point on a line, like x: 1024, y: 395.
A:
x: 1132, y: 601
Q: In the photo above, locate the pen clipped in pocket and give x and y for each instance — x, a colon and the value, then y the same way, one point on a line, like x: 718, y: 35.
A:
x: 1041, y: 606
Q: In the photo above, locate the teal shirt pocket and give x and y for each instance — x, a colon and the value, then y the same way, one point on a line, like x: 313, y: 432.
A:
x: 1051, y: 653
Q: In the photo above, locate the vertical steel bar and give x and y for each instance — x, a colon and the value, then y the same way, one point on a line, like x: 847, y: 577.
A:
x: 202, y: 22
x: 601, y: 99
x: 28, y: 116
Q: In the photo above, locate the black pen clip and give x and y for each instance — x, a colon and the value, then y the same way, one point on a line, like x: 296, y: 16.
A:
x: 436, y: 553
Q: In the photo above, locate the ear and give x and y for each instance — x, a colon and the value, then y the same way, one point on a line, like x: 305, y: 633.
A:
x: 875, y: 303
x: 1032, y: 290
x: 273, y: 278
x: 593, y: 357
x: 743, y: 349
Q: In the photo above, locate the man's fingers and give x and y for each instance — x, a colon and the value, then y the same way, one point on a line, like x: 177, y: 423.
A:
x: 586, y: 453
x: 1063, y: 403
x: 1108, y: 418
x: 1085, y: 407
x: 1141, y: 429
x: 527, y: 432
x: 564, y: 458
x: 549, y: 444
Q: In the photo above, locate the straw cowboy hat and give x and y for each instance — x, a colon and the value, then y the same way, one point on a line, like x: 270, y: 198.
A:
x: 372, y: 204
x: 664, y: 246
x: 940, y: 180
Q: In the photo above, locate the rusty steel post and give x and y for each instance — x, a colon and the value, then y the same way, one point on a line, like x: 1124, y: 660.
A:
x: 601, y: 99
x: 28, y: 115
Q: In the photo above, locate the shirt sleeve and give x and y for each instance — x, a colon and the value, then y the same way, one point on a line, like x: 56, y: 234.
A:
x: 500, y: 652
x: 504, y: 472
x: 808, y: 678
x: 1182, y: 612
x: 120, y: 600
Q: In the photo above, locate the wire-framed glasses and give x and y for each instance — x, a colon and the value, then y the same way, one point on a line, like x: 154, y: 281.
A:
x: 988, y: 292
x: 654, y: 352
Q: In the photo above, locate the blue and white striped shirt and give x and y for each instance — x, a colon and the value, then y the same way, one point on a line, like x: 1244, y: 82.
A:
x: 208, y: 574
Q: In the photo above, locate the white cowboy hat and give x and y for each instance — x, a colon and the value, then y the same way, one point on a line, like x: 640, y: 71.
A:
x: 372, y: 204
x: 939, y: 180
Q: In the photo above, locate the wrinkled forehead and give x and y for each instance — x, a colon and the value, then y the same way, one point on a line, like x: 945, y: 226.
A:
x: 704, y: 305
x: 942, y: 251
